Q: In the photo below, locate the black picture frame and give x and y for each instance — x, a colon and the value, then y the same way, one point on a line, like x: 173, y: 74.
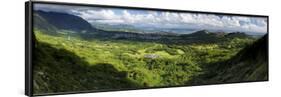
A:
x: 29, y: 43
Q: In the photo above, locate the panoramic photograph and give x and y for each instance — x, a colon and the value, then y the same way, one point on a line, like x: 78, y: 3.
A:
x: 87, y: 48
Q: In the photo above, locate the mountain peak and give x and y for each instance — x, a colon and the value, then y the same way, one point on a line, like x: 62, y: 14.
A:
x: 237, y: 34
x: 201, y: 32
x: 65, y: 21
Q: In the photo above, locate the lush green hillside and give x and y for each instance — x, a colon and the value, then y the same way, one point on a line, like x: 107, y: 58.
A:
x: 60, y: 70
x: 76, y: 62
x: 250, y: 64
x: 70, y: 60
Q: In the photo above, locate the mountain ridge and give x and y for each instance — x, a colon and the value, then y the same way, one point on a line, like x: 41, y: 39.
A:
x: 65, y: 21
x: 62, y: 21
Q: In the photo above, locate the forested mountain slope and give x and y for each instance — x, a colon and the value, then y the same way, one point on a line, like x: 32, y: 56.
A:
x: 250, y: 64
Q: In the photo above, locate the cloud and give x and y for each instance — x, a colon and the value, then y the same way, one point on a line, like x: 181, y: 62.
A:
x: 163, y: 19
x: 93, y: 16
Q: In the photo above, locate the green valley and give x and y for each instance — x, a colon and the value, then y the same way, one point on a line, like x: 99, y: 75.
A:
x: 74, y: 56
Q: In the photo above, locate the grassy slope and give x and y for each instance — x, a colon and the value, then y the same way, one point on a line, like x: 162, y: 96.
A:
x: 97, y: 64
x: 250, y: 64
x: 60, y: 70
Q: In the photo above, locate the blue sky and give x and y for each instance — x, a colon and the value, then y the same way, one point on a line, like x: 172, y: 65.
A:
x: 161, y: 19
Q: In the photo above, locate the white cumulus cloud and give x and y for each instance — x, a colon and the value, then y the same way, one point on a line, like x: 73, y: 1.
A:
x: 164, y: 19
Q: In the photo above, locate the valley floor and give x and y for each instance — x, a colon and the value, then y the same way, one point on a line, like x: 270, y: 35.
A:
x: 75, y: 64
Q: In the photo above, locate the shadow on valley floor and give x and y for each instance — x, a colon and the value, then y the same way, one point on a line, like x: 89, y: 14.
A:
x: 59, y: 70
